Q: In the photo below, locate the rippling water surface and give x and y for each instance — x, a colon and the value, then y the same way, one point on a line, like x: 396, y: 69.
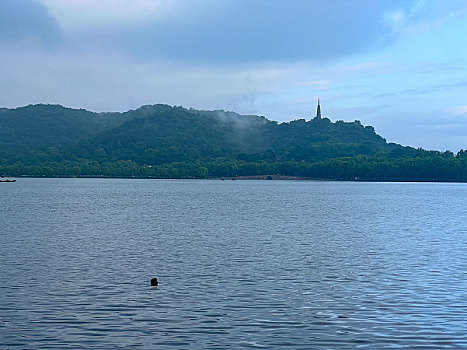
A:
x: 241, y: 264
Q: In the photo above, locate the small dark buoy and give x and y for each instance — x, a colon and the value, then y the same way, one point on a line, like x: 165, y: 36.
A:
x: 154, y: 282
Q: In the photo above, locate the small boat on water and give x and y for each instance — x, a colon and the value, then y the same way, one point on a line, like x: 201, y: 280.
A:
x: 7, y: 180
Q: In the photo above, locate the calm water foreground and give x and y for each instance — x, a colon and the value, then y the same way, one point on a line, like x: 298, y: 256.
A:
x: 241, y: 264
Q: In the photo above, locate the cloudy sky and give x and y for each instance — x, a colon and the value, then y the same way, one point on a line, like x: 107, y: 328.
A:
x: 399, y: 65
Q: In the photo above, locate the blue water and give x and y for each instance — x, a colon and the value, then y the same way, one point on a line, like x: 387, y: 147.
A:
x: 241, y: 264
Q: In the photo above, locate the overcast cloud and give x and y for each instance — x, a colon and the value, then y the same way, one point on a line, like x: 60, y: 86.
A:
x: 400, y: 66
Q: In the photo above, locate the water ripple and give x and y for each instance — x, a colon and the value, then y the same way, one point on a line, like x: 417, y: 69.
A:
x: 253, y: 264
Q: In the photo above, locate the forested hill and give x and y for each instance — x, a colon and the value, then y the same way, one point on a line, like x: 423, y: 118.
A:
x: 163, y: 134
x: 166, y: 141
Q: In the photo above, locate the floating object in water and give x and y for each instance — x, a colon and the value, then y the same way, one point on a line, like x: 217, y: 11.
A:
x: 154, y: 282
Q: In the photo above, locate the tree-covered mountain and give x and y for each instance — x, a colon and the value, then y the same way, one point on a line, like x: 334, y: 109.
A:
x: 54, y: 140
x: 38, y: 132
x: 175, y: 134
x: 160, y: 134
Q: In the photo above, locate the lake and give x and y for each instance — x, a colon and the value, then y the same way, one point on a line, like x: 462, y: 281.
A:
x: 240, y: 264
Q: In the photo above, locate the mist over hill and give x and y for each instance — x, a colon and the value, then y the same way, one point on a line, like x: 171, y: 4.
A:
x: 160, y: 133
x: 165, y: 141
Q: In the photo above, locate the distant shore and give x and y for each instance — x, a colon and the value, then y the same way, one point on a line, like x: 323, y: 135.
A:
x: 232, y: 178
x: 267, y: 177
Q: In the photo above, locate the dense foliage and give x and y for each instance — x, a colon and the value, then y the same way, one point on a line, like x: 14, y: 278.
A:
x: 161, y: 141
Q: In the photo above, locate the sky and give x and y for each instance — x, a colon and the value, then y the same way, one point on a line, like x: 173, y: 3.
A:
x: 398, y: 65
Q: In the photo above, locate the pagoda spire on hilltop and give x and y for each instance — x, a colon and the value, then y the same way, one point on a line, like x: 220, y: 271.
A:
x: 318, y: 111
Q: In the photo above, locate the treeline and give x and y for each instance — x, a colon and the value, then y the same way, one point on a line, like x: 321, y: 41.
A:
x: 435, y: 166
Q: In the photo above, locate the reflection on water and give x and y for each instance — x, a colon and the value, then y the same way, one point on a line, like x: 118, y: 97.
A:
x: 241, y: 264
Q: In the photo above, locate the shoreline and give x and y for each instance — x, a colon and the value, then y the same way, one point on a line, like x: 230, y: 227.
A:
x: 234, y: 178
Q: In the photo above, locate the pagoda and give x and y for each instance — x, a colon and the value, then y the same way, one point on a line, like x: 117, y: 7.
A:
x: 318, y: 111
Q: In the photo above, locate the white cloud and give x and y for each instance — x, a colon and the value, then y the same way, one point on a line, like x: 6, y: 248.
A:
x: 425, y: 15
x: 458, y: 110
x: 320, y: 84
x: 109, y: 82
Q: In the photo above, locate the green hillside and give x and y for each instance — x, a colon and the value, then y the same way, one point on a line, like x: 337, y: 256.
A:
x: 38, y: 132
x: 165, y: 141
